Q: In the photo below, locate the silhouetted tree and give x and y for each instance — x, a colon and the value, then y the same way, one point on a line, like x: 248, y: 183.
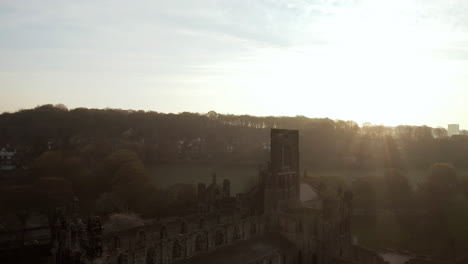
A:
x: 439, y: 189
x: 398, y: 190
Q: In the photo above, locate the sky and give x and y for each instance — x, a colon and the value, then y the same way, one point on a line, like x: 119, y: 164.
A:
x: 385, y: 62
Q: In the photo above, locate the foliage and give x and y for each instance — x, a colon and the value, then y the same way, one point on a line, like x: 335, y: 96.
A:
x: 430, y: 219
x: 157, y: 137
x: 365, y: 189
x: 122, y: 221
x: 109, y: 203
x: 439, y: 189
x: 125, y: 175
x: 397, y: 189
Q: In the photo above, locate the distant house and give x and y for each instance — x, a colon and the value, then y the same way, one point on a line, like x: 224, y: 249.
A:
x: 266, y: 146
x: 230, y: 148
x: 190, y: 149
x: 8, y: 159
x: 453, y: 129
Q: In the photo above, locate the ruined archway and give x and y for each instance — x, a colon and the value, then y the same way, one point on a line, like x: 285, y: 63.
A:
x: 200, y: 242
x: 176, y: 250
x: 237, y: 233
x: 151, y: 255
x: 219, y: 238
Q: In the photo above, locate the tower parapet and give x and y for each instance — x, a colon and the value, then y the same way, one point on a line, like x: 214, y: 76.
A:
x: 282, y: 182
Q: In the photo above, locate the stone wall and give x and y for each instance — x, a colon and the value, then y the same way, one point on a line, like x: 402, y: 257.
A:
x: 177, y: 239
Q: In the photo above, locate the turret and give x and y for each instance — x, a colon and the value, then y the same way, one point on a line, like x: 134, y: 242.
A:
x: 227, y: 187
x: 213, y: 179
x: 201, y: 192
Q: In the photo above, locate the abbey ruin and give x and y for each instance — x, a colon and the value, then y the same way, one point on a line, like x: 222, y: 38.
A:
x: 282, y: 220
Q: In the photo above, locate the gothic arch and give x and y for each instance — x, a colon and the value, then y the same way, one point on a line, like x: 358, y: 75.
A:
x: 142, y: 235
x: 200, y: 242
x: 163, y: 232
x: 286, y: 158
x: 73, y: 233
x: 253, y: 228
x: 183, y: 227
x: 76, y: 259
x: 176, y: 249
x: 151, y: 255
x: 141, y: 238
x: 299, y: 226
x: 219, y: 238
x: 237, y: 233
x: 116, y: 242
x: 122, y: 259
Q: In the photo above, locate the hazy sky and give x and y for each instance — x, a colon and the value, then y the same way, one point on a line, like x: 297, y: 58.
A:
x: 390, y: 62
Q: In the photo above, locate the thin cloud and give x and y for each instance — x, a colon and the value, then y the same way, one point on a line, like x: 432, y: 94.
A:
x: 165, y: 49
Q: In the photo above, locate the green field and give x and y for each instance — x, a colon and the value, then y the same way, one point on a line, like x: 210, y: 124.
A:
x: 242, y: 176
x: 415, y: 176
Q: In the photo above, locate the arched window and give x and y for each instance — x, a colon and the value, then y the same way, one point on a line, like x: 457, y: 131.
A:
x: 253, y: 229
x: 286, y: 157
x: 122, y: 259
x: 163, y: 233
x: 116, y: 242
x: 217, y: 193
x: 176, y: 250
x: 237, y: 233
x: 219, y: 238
x: 141, y: 235
x: 73, y: 235
x: 299, y: 226
x: 183, y: 228
x: 77, y: 259
x: 151, y: 255
x: 141, y: 239
x: 199, y: 243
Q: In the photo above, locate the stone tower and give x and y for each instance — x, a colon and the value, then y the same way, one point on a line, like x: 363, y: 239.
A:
x: 281, y: 181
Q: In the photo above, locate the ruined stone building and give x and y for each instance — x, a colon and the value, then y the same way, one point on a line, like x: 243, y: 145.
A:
x: 282, y: 220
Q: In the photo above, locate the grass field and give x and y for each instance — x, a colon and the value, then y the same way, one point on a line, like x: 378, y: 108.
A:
x: 242, y: 177
x: 415, y: 176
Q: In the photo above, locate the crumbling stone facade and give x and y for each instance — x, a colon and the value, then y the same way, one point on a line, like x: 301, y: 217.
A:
x: 280, y: 221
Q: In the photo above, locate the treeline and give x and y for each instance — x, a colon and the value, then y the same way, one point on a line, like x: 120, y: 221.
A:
x: 158, y: 137
x: 428, y: 218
